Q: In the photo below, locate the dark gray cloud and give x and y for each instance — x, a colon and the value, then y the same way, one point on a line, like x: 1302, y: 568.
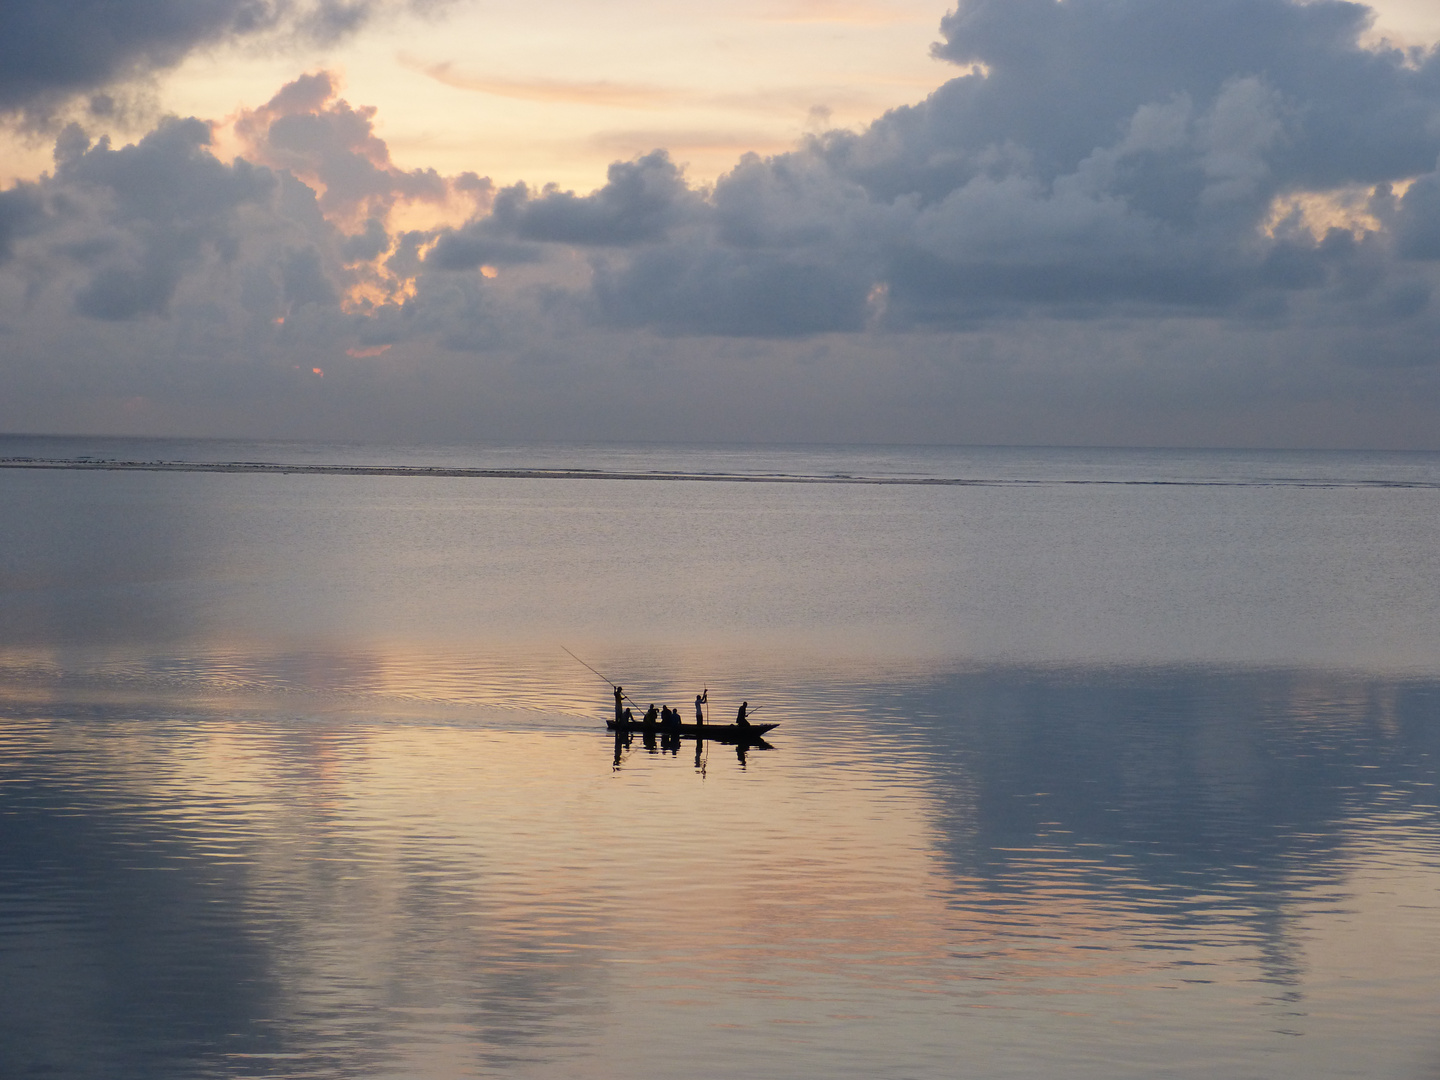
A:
x: 1063, y: 79
x: 475, y: 245
x: 1131, y: 152
x: 1417, y: 225
x: 368, y: 244
x: 165, y: 201
x: 303, y: 280
x: 1106, y: 155
x: 783, y: 247
x: 52, y: 50
x: 21, y: 212
x: 639, y: 202
x: 715, y: 290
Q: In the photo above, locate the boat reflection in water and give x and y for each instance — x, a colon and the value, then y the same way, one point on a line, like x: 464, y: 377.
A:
x: 660, y: 737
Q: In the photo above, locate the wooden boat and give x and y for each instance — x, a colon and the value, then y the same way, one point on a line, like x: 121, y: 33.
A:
x: 727, y: 733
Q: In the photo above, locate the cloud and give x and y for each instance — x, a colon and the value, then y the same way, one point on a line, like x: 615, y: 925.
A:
x: 135, y: 232
x: 1122, y: 215
x: 640, y: 202
x: 1108, y: 153
x: 307, y: 131
x: 146, y: 213
x: 474, y: 246
x: 53, y: 50
x: 1100, y: 157
x: 707, y: 290
x: 781, y: 248
x: 1417, y: 224
x: 21, y: 212
x: 50, y: 49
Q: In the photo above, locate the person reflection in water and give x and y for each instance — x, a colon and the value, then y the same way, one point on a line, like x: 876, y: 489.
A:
x: 701, y: 700
x: 740, y: 720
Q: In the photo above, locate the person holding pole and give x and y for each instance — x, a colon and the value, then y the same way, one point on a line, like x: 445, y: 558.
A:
x: 700, y: 702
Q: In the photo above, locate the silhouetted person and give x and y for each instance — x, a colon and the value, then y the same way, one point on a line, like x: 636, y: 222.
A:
x: 740, y: 720
x: 626, y: 719
x: 619, y: 695
x: 651, y: 714
x: 701, y: 700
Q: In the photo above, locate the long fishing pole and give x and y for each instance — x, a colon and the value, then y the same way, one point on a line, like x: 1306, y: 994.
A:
x: 610, y: 682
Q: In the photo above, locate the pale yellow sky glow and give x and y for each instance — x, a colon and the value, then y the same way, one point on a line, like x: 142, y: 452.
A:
x: 552, y: 92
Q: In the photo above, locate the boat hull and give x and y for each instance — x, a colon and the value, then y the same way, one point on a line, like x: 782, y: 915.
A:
x: 715, y: 732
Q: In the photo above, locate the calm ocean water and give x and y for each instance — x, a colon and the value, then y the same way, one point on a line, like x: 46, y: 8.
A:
x: 1091, y: 764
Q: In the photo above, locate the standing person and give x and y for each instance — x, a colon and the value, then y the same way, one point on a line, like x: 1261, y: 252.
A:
x: 619, y: 706
x: 701, y: 700
x: 740, y: 720
x: 651, y: 714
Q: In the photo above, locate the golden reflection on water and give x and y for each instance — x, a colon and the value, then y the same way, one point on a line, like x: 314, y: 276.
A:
x: 726, y: 878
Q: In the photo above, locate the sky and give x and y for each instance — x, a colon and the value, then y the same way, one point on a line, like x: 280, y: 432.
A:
x: 1097, y: 222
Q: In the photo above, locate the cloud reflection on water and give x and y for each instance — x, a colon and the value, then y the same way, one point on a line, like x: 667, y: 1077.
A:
x: 1193, y: 807
x: 309, y: 747
x: 192, y: 896
x: 923, y: 863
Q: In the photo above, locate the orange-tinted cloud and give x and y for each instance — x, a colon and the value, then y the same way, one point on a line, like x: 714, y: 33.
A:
x: 322, y: 139
x: 599, y: 92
